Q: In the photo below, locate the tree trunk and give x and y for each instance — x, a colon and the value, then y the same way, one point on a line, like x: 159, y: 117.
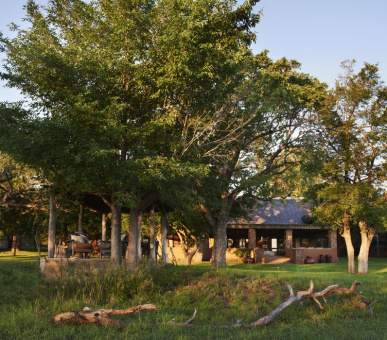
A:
x: 132, y: 252
x: 132, y: 249
x: 16, y: 243
x: 104, y: 218
x: 366, y: 239
x: 220, y: 239
x: 80, y: 219
x: 51, y: 227
x: 220, y: 244
x: 348, y: 242
x: 116, y: 244
x: 164, y: 233
x: 139, y: 249
x: 188, y: 252
x: 189, y: 255
x: 37, y: 243
x: 152, y: 235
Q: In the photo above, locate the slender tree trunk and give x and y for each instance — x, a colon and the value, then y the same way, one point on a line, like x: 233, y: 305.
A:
x: 139, y: 249
x: 366, y: 239
x: 189, y: 257
x: 80, y: 219
x: 132, y: 252
x: 132, y: 249
x: 104, y: 218
x: 164, y: 233
x: 188, y: 252
x: 16, y: 243
x: 152, y: 235
x: 51, y: 227
x: 37, y: 241
x: 116, y: 244
x: 348, y: 242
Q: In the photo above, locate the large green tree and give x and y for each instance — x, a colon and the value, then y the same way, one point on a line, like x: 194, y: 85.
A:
x: 22, y: 201
x: 353, y: 126
x: 112, y: 85
x: 263, y: 131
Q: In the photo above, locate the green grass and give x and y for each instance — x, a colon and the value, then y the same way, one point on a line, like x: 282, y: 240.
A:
x: 20, y: 254
x: 222, y: 296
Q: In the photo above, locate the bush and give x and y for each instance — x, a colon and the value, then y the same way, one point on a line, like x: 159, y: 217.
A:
x: 243, y: 252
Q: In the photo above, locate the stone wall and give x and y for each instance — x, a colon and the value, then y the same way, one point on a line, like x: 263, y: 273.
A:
x: 300, y: 254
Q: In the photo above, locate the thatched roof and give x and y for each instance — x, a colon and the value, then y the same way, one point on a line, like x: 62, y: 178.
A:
x: 276, y: 212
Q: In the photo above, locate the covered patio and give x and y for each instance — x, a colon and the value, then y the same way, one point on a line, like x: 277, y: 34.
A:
x: 279, y: 229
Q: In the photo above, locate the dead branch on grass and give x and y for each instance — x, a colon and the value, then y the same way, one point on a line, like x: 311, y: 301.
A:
x: 313, y: 297
x: 99, y: 316
x: 308, y: 294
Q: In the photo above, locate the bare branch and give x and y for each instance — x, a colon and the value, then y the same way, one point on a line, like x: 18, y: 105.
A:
x: 99, y: 316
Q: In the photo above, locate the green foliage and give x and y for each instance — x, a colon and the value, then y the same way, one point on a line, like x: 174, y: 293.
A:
x: 307, y: 219
x: 270, y: 115
x: 353, y: 126
x: 243, y: 252
x: 262, y: 132
x: 112, y: 84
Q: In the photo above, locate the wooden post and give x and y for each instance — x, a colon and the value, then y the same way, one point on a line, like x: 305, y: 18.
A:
x: 51, y: 227
x: 289, y: 243
x: 104, y: 218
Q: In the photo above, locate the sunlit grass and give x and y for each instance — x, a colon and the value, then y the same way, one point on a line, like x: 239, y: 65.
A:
x: 221, y: 296
x: 20, y: 254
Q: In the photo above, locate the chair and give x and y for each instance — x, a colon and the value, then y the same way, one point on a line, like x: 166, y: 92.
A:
x: 104, y: 248
x: 78, y: 244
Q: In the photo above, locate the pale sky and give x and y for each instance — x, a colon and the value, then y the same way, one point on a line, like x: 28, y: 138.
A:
x: 322, y: 34
x: 318, y: 34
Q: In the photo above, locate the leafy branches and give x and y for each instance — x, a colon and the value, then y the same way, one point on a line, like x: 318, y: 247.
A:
x: 353, y: 126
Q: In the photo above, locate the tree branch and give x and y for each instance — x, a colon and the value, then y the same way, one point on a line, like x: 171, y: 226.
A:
x: 99, y: 316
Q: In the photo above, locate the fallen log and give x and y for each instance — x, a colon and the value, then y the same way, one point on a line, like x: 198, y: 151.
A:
x: 99, y: 316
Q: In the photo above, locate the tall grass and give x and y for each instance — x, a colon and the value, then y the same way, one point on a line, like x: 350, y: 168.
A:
x: 222, y: 296
x: 113, y: 285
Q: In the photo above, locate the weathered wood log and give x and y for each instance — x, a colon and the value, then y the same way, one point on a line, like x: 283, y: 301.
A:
x: 99, y: 316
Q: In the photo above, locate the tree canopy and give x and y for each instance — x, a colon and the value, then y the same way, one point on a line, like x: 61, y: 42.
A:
x: 265, y: 131
x: 353, y: 126
x: 112, y: 85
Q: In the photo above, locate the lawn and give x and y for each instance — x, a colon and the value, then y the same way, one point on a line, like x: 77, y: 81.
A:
x: 221, y: 296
